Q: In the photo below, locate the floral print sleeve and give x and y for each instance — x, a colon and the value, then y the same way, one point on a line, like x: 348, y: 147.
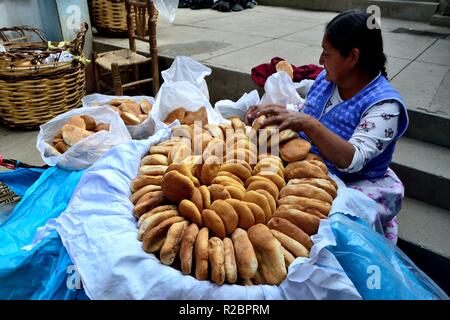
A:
x: 377, y: 128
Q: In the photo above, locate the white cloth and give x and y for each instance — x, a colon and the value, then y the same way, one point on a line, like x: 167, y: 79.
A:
x: 377, y: 128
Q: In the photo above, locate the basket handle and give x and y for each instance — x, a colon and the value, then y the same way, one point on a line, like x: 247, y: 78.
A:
x: 77, y: 44
x: 21, y: 30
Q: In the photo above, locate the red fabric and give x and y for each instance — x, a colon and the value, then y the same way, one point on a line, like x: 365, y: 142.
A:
x: 263, y: 71
x: 5, y: 164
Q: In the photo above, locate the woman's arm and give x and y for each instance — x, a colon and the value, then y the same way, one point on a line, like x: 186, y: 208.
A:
x: 331, y: 146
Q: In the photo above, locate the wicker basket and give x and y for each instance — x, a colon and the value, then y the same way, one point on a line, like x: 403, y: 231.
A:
x: 110, y: 16
x: 32, y: 92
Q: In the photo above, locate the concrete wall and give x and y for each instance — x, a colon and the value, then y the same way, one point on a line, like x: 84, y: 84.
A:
x: 41, y: 14
x: 323, y: 5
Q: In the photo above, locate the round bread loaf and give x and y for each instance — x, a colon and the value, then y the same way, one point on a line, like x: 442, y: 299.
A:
x: 214, y: 223
x: 201, y: 254
x: 294, y: 150
x: 216, y: 255
x: 177, y: 187
x: 230, y: 261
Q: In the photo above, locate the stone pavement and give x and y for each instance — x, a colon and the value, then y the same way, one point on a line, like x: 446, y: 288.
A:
x: 232, y: 43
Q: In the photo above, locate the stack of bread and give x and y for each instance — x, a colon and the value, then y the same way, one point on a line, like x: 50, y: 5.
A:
x: 131, y: 112
x: 187, y: 117
x: 230, y: 213
x: 73, y: 131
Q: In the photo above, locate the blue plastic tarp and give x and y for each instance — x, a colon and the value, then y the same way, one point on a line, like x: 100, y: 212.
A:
x: 40, y: 272
x: 378, y: 269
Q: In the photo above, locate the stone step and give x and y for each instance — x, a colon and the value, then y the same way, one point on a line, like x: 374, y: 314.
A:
x: 406, y: 10
x: 429, y: 127
x: 427, y: 226
x: 440, y: 20
x: 424, y: 170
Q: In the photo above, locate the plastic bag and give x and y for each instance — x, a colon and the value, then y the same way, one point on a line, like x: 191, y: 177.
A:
x: 167, y: 8
x: 181, y: 94
x: 378, y: 269
x: 101, y: 240
x: 84, y: 153
x: 303, y: 87
x: 228, y: 108
x: 40, y: 272
x: 140, y: 131
x: 279, y: 89
x: 187, y: 69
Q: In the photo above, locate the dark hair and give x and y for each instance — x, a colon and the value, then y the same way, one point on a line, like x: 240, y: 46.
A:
x: 349, y: 30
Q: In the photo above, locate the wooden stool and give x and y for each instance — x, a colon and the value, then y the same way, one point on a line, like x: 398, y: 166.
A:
x: 141, y: 22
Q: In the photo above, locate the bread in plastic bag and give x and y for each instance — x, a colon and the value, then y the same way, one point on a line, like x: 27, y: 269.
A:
x: 84, y: 153
x: 140, y: 131
x: 181, y: 94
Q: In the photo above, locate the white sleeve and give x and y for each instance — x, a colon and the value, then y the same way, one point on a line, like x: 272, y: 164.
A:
x: 377, y: 128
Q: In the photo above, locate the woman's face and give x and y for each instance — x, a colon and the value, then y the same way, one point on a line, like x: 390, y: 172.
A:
x: 335, y: 64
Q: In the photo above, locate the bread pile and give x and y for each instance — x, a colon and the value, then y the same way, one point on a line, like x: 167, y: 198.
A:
x: 73, y: 131
x: 132, y: 113
x: 226, y: 213
x: 187, y: 117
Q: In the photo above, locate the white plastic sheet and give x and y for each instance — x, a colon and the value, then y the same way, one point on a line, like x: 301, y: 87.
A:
x: 84, y: 153
x: 140, y: 131
x: 99, y: 232
x: 167, y: 8
x: 187, y: 69
x: 228, y: 108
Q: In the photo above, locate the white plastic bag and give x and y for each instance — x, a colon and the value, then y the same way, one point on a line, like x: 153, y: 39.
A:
x: 101, y: 241
x: 228, y: 108
x: 84, y: 153
x: 181, y: 94
x: 303, y: 87
x: 140, y: 131
x: 187, y: 69
x: 167, y: 8
x: 279, y: 89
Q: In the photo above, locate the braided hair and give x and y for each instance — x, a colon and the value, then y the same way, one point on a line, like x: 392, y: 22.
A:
x: 349, y: 30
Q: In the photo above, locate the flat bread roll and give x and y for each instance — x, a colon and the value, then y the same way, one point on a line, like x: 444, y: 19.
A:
x: 214, y: 223
x: 293, y: 246
x: 154, y: 239
x: 230, y: 261
x: 201, y: 254
x: 177, y: 187
x: 305, y: 221
x: 268, y: 250
x: 306, y: 191
x: 171, y: 246
x: 216, y: 256
x: 72, y: 134
x: 291, y: 230
x: 321, y: 206
x: 321, y: 183
x: 187, y: 248
x: 227, y: 213
x: 246, y: 260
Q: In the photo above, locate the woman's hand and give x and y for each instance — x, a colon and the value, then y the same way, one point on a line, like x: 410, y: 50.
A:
x: 253, y: 111
x: 284, y: 119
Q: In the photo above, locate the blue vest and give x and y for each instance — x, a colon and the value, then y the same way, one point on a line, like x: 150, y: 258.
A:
x: 343, y: 119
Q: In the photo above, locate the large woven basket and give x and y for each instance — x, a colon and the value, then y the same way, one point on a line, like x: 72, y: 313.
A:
x: 33, y: 92
x: 110, y: 16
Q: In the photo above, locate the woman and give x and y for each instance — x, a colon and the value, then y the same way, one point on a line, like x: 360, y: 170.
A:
x: 352, y: 115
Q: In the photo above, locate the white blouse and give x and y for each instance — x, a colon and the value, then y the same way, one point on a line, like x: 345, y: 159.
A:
x: 377, y: 128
